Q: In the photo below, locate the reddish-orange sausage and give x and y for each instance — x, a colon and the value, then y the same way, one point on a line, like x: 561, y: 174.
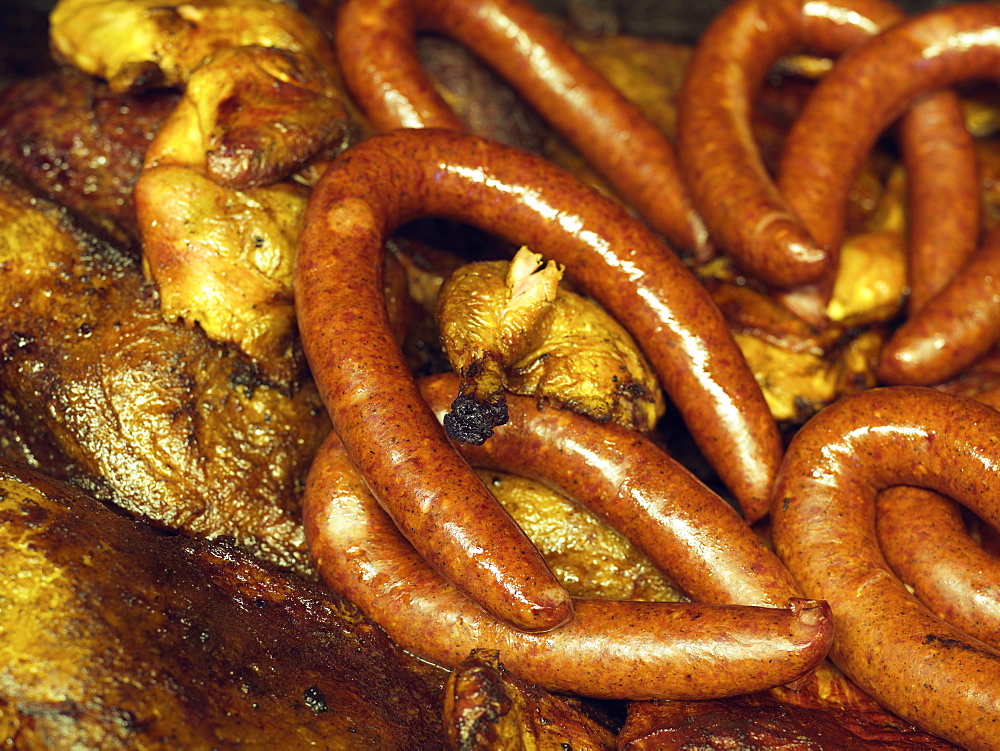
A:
x: 925, y: 541
x: 376, y: 47
x: 720, y: 160
x: 864, y: 93
x: 942, y: 169
x: 373, y: 402
x: 613, y: 650
x: 953, y: 329
x: 638, y: 489
x: 823, y: 512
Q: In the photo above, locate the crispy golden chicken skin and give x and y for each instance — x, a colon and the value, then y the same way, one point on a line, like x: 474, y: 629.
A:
x: 148, y: 414
x: 587, y: 556
x: 511, y: 326
x: 219, y: 231
x: 148, y: 43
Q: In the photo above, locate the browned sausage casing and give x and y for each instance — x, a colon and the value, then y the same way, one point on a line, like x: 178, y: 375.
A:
x: 909, y: 660
x: 925, y: 541
x: 953, y: 329
x: 745, y: 212
x: 611, y: 649
x: 637, y: 489
x: 394, y: 439
x: 864, y: 93
x: 377, y: 51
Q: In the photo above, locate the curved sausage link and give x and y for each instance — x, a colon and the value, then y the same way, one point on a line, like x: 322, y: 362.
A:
x: 376, y: 47
x: 953, y: 329
x: 942, y: 169
x: 925, y: 542
x: 636, y: 488
x: 746, y: 213
x: 372, y: 399
x: 823, y: 511
x: 864, y: 93
x: 611, y: 649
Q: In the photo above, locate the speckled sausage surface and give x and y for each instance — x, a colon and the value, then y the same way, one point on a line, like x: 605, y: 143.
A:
x: 377, y: 51
x: 823, y: 512
x: 925, y: 541
x: 611, y: 649
x: 864, y: 93
x: 953, y: 329
x: 371, y: 397
x: 746, y: 213
x: 942, y: 169
x: 638, y: 489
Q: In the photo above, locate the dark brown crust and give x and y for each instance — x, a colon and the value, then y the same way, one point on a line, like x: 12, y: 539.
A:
x: 70, y: 138
x: 610, y: 650
x: 912, y: 662
x: 116, y: 637
x: 375, y: 44
x: 373, y: 401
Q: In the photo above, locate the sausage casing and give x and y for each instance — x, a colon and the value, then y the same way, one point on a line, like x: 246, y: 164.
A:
x: 611, y: 649
x: 823, y: 512
x: 375, y: 44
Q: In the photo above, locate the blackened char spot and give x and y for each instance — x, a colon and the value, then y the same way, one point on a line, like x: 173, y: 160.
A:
x: 472, y: 422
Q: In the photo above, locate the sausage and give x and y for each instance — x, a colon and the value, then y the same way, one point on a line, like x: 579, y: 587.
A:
x: 611, y: 649
x: 376, y: 48
x: 373, y: 401
x: 924, y: 539
x: 746, y: 213
x: 636, y: 488
x: 823, y: 515
x: 864, y: 93
x: 942, y: 169
x: 925, y: 542
x: 953, y: 329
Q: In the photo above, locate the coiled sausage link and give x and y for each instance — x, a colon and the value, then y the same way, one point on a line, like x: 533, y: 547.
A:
x: 394, y: 439
x: 376, y: 48
x: 746, y: 213
x: 925, y: 542
x: 823, y: 512
x: 864, y: 93
x: 611, y: 649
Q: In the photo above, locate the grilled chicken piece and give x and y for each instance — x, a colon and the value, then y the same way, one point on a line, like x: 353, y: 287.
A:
x: 487, y: 708
x: 260, y: 102
x: 510, y: 326
x: 117, y: 637
x: 219, y: 222
x: 144, y: 413
x: 137, y: 44
x: 73, y: 140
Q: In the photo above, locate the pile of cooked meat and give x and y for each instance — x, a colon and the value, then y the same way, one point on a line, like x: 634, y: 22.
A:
x: 159, y: 418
